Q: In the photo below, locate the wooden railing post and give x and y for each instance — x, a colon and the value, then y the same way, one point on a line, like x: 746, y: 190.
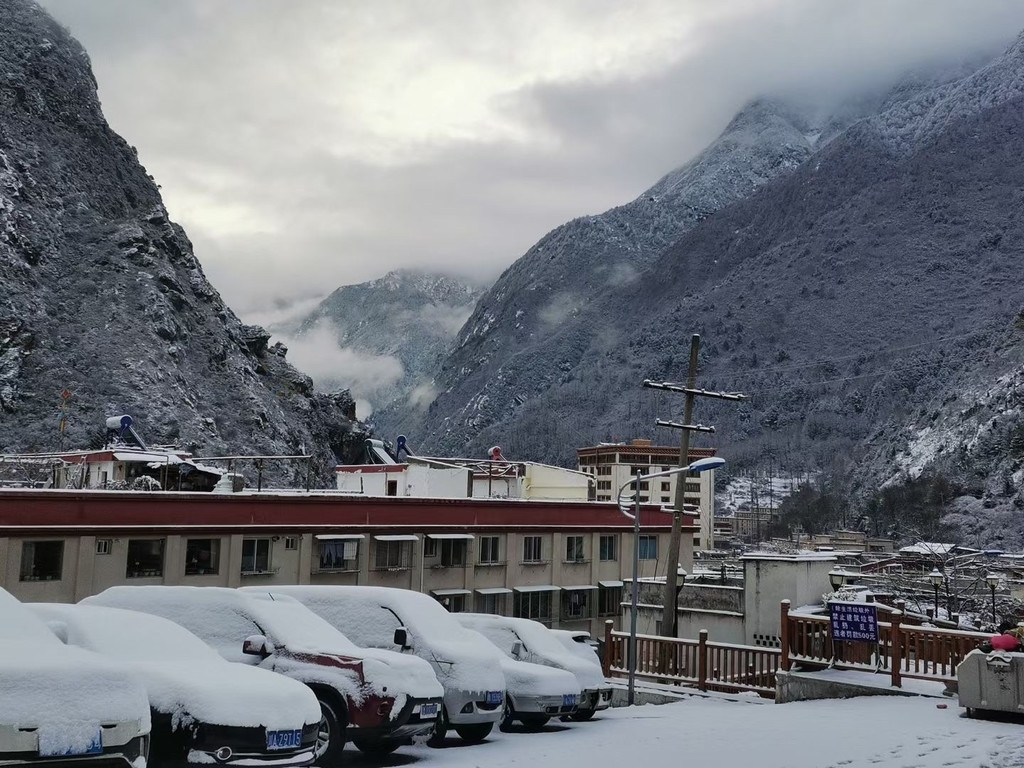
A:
x: 606, y: 662
x: 897, y: 649
x: 702, y: 660
x: 784, y: 636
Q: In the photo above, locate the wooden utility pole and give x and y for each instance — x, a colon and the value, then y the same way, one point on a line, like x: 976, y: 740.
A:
x: 668, y: 617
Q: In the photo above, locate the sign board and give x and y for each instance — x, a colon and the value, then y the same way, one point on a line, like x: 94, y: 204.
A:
x: 854, y: 621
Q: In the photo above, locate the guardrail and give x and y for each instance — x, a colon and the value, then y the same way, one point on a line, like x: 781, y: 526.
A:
x: 917, y: 652
x: 922, y: 653
x: 700, y: 663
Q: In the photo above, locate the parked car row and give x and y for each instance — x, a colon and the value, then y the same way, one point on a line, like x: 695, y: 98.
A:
x: 187, y: 675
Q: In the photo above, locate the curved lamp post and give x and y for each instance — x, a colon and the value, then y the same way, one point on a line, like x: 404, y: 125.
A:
x: 701, y: 465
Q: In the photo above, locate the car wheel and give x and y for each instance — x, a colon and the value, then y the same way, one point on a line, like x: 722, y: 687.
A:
x: 508, y: 715
x: 534, y: 723
x: 582, y: 714
x: 474, y: 732
x: 376, y: 747
x: 330, y: 738
x: 440, y: 728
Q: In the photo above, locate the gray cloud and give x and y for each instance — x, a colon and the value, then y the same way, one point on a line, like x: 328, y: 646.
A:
x: 311, y: 144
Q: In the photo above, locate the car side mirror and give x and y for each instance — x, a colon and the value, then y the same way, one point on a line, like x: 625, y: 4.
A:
x: 402, y: 638
x: 257, y: 645
x: 517, y: 649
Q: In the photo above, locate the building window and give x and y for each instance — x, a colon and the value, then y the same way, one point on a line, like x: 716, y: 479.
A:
x: 430, y: 547
x: 145, y: 558
x: 666, y: 487
x: 255, y: 556
x: 392, y: 488
x: 452, y: 603
x: 491, y: 604
x: 392, y: 555
x: 609, y: 599
x: 339, y: 555
x: 489, y: 554
x: 291, y: 542
x: 531, y: 549
x: 202, y: 556
x: 103, y: 546
x: 648, y: 547
x: 532, y: 605
x: 576, y: 604
x: 604, y: 485
x: 609, y: 547
x: 41, y: 560
x: 453, y: 553
x: 574, y: 549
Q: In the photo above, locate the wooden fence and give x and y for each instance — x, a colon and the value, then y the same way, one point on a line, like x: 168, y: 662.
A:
x: 699, y: 663
x: 924, y: 653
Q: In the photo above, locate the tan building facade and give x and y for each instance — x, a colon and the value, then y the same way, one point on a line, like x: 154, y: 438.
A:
x: 562, y: 563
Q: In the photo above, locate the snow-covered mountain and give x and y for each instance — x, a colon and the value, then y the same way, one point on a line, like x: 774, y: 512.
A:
x: 400, y: 326
x: 859, y: 284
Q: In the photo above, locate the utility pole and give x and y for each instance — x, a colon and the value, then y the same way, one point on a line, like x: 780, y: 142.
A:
x: 668, y: 617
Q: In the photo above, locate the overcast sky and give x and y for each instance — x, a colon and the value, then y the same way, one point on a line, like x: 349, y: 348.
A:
x: 307, y: 144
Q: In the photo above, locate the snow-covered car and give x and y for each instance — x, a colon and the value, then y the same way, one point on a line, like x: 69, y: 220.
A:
x: 204, y: 709
x: 382, y: 617
x: 529, y: 640
x: 376, y: 702
x: 61, y: 705
x: 535, y: 693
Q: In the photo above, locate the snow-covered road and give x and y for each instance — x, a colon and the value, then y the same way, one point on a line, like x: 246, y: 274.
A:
x: 712, y: 733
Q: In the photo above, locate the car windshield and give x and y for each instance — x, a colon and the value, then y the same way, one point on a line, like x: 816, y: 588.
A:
x: 290, y: 622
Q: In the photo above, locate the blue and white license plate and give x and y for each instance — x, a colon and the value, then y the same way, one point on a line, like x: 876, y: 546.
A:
x: 428, y: 710
x: 284, y: 739
x: 52, y: 745
x: 494, y: 697
x: 569, y: 700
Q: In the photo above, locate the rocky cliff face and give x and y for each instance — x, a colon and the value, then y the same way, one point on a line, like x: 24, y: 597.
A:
x: 102, y: 295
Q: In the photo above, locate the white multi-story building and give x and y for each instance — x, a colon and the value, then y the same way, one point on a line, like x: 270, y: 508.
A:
x: 614, y: 464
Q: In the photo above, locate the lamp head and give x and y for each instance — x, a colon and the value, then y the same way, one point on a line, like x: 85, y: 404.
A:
x: 936, y: 577
x: 993, y: 580
x: 837, y: 577
x: 703, y: 465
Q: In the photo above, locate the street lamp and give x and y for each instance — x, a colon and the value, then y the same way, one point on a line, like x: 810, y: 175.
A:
x: 936, y: 578
x: 993, y: 582
x: 701, y: 465
x: 837, y: 577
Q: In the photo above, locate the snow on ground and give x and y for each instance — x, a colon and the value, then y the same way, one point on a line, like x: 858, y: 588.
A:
x: 880, y: 732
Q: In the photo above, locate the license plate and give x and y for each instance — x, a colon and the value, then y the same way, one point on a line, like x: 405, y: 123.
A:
x: 284, y: 739
x: 428, y: 710
x: 56, y: 746
x: 494, y: 697
x: 569, y: 700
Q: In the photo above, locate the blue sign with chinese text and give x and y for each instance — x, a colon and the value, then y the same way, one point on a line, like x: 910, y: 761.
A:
x: 854, y: 621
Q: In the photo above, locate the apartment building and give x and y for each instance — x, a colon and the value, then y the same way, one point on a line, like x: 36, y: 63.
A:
x: 562, y: 562
x: 614, y: 464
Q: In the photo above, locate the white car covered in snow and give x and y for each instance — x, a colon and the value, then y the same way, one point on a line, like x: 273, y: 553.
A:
x: 377, y: 700
x: 529, y: 640
x: 205, y: 709
x: 382, y: 617
x: 535, y: 693
x: 64, y: 705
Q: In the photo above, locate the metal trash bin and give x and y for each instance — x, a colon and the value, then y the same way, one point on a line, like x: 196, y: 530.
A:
x: 991, y: 682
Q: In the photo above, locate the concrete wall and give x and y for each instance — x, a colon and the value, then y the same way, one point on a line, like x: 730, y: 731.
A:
x: 769, y: 579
